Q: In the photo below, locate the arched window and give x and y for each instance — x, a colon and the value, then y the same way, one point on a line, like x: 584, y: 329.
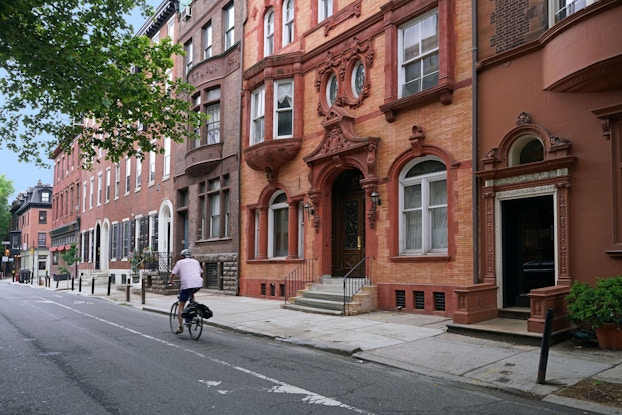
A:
x: 268, y: 48
x: 288, y: 22
x: 423, y: 207
x: 526, y: 149
x: 278, y: 225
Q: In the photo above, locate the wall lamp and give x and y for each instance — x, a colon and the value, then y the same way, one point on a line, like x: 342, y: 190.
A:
x: 309, y: 209
x: 375, y: 199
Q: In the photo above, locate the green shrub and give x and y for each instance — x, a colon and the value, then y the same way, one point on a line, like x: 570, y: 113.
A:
x: 598, y: 305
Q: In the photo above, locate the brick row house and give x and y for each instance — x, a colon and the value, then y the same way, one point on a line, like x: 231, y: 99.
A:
x: 29, y: 242
x: 357, y: 143
x: 549, y: 107
x: 117, y: 212
x: 206, y: 171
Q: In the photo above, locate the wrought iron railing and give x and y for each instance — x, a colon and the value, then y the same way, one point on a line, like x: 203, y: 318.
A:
x: 157, y: 261
x: 298, y: 278
x: 354, y: 281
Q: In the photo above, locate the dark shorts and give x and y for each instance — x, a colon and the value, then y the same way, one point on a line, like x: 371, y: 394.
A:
x: 184, y: 295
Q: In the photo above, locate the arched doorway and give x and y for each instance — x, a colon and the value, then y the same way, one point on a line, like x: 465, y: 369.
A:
x: 348, y: 223
x: 97, y: 239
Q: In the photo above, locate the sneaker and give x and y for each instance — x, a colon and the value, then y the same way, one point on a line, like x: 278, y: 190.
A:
x: 179, y: 330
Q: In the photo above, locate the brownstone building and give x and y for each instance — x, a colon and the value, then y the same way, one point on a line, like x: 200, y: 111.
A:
x: 357, y: 147
x: 549, y: 105
x: 206, y: 171
x: 29, y: 243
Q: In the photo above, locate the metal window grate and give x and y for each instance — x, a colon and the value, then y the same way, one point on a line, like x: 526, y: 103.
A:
x: 263, y: 289
x: 439, y: 301
x: 272, y: 290
x: 211, y: 271
x: 282, y: 290
x: 400, y: 298
x: 419, y: 300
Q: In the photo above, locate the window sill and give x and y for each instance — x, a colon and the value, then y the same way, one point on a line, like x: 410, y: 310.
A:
x: 421, y: 258
x: 279, y: 260
x: 442, y: 92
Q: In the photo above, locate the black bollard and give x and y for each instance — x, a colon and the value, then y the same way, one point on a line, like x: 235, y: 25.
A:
x: 109, y: 282
x: 142, y: 289
x: 93, y: 286
x: 80, y: 284
x: 546, y: 344
x: 73, y: 281
x: 127, y: 291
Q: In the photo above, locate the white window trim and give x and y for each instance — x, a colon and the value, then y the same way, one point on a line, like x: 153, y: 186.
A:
x: 258, y: 97
x: 288, y: 32
x: 229, y: 26
x: 424, y: 180
x: 268, y: 45
x: 208, y: 39
x: 324, y: 9
x: 571, y: 7
x: 271, y: 209
x: 275, y: 117
x: 400, y: 50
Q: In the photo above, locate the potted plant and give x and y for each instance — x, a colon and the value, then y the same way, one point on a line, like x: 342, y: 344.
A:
x: 600, y: 308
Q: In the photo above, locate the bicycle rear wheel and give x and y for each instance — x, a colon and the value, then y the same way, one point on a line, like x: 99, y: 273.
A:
x: 195, y: 326
x: 173, y: 319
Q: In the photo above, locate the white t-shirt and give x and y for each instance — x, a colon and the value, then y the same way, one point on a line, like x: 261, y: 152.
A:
x: 189, y: 272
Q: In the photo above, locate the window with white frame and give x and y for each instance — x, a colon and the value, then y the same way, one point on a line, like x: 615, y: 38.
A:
x: 152, y: 166
x: 170, y: 29
x: 268, y: 46
x: 564, y: 8
x: 114, y: 241
x: 117, y: 180
x: 212, y: 110
x: 284, y: 109
x: 207, y: 41
x: 288, y: 22
x: 188, y: 57
x: 418, y: 54
x: 258, y: 112
x: 278, y: 218
x: 126, y: 238
x: 325, y: 9
x: 107, y: 195
x: 99, y: 188
x: 84, y: 196
x: 167, y: 157
x: 229, y: 25
x: 128, y: 172
x: 139, y: 172
x: 423, y: 207
x: 91, y: 192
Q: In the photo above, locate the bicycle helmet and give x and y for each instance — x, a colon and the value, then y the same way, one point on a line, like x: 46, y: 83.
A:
x: 185, y: 253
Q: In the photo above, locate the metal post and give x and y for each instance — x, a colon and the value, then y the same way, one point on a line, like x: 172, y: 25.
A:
x: 72, y: 282
x: 127, y: 290
x: 142, y: 289
x: 546, y: 343
x: 109, y: 282
x: 80, y: 284
x: 93, y: 286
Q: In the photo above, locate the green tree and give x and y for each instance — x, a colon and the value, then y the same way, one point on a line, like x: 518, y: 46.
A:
x: 69, y: 60
x: 70, y: 257
x: 6, y: 190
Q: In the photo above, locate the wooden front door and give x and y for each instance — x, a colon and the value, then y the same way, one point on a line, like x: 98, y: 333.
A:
x: 348, y: 224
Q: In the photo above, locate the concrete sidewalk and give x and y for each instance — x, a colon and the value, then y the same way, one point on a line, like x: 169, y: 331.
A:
x: 413, y: 342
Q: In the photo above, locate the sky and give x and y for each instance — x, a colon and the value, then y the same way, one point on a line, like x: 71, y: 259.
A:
x: 25, y: 175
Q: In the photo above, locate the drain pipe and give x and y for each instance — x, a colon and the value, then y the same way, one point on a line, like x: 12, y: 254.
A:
x: 474, y: 142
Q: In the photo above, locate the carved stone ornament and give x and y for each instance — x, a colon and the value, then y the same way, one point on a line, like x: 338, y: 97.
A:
x: 269, y: 156
x: 523, y: 118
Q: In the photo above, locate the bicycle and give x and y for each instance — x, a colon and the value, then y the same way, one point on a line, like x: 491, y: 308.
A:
x: 192, y: 315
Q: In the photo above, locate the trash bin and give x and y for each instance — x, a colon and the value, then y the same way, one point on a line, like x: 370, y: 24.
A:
x: 24, y: 275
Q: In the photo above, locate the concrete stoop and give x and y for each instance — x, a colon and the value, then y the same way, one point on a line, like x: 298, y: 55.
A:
x: 327, y: 297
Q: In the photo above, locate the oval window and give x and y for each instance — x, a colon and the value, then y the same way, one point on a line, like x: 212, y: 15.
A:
x: 331, y: 90
x: 358, y: 79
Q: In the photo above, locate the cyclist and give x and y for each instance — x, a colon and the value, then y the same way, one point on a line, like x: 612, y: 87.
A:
x: 189, y: 271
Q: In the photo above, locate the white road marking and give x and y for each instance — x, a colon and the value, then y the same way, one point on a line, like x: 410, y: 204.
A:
x: 281, y: 387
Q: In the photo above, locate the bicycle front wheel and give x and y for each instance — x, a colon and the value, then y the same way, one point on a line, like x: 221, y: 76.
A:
x: 195, y: 326
x: 173, y: 319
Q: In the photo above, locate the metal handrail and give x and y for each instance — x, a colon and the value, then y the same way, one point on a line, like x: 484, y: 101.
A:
x: 354, y: 284
x: 298, y: 278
